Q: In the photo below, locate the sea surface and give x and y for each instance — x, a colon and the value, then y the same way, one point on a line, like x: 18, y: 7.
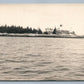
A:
x: 30, y: 58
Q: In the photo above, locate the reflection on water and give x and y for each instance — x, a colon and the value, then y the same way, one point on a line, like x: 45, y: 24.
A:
x: 26, y: 58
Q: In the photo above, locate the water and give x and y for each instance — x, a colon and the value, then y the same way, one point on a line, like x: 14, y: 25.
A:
x: 26, y: 58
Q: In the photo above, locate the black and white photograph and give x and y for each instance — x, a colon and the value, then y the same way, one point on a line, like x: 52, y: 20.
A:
x: 41, y: 42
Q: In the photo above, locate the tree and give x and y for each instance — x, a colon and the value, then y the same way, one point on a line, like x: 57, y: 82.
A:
x: 54, y: 31
x: 73, y: 33
x: 30, y: 30
x: 34, y: 31
x: 45, y: 32
x: 39, y: 31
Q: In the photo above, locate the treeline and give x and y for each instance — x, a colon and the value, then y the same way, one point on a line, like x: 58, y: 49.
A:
x: 19, y: 29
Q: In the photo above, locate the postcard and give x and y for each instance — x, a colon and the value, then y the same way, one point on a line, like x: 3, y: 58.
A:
x: 40, y: 42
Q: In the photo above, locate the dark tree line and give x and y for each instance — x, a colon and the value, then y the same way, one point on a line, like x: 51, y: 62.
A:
x: 19, y: 29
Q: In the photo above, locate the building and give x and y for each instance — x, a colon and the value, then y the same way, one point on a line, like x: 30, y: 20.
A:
x: 49, y: 30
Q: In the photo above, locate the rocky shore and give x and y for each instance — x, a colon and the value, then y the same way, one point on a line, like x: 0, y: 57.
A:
x: 41, y: 35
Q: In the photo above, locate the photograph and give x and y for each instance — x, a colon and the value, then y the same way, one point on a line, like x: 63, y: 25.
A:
x: 42, y: 42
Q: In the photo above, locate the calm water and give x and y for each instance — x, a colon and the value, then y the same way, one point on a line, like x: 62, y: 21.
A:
x: 26, y: 58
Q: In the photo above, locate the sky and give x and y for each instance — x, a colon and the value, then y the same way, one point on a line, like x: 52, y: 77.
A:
x: 71, y: 16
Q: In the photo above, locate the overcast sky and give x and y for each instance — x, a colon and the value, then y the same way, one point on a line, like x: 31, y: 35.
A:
x: 71, y: 16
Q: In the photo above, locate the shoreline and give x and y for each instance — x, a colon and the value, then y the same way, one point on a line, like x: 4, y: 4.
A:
x: 40, y: 35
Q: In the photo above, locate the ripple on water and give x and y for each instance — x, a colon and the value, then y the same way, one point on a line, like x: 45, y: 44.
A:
x: 3, y: 54
x: 33, y: 55
x: 16, y: 61
x: 80, y: 74
x: 61, y: 68
x: 7, y: 72
x: 44, y: 63
x: 27, y: 71
x: 30, y: 58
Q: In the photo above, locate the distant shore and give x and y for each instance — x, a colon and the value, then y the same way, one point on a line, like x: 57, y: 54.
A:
x: 41, y: 35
